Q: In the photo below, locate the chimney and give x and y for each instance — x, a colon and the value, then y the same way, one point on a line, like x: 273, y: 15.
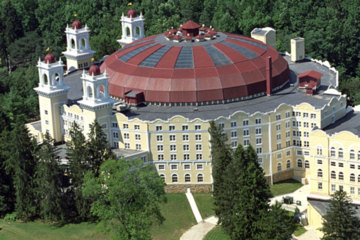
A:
x: 297, y: 49
x: 268, y: 76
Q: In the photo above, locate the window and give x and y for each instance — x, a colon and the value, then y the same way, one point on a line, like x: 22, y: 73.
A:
x: 136, y: 127
x: 306, y: 134
x: 279, y: 167
x: 199, y: 156
x: 160, y: 148
x: 174, y: 178
x: 341, y: 188
x: 340, y: 164
x: 333, y: 187
x: 352, y: 190
x: 287, y: 124
x: 245, y: 122
x: 332, y: 152
x: 159, y: 138
x: 313, y: 115
x: 138, y: 146
x: 287, y: 114
x: 352, y: 154
x: 358, y: 155
x: 306, y: 153
x: 174, y: 167
x: 200, y: 177
x: 46, y: 112
x: 258, y: 141
x: 306, y: 124
x: 185, y: 127
x: 260, y: 160
x: 199, y: 167
x: 279, y: 155
x: 299, y: 163
x: 333, y: 175
x: 172, y: 147
x: 320, y: 186
x: 313, y: 125
x: 186, y: 147
x: 186, y: 156
x: 233, y: 134
x: 187, y: 167
x: 333, y: 164
x: 197, y: 127
x: 127, y: 145
x: 114, y: 125
x: 137, y: 137
x: 246, y: 132
x: 341, y: 153
x: 116, y: 145
x: 278, y: 127
x: 162, y: 176
x: 233, y: 124
x: 288, y: 153
x: 319, y: 161
x: 198, y: 137
x: 278, y: 116
x: 161, y: 157
x: 187, y: 177
x: 278, y: 146
x: 258, y: 150
x: 172, y: 138
x: 234, y: 144
x: 161, y: 167
x: 47, y: 122
x: 258, y: 121
x: 125, y: 126
x: 305, y: 115
x: 198, y: 147
x: 288, y: 143
x: 319, y: 151
x: 352, y: 166
x: 288, y: 164
x: 352, y: 177
x: 359, y: 178
x: 185, y: 137
x: 341, y: 176
x: 258, y: 131
x: 172, y: 157
x: 307, y: 164
x: 222, y: 125
x: 359, y: 191
x: 246, y: 142
x: 171, y: 127
x: 319, y: 173
x: 158, y: 128
x: 278, y: 136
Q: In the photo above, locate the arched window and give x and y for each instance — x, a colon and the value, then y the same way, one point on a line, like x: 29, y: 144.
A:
x: 174, y: 178
x: 127, y: 31
x: 299, y: 163
x: 288, y: 164
x: 138, y: 31
x: 83, y: 43
x: 319, y: 173
x: 72, y: 43
x: 187, y: 178
x: 319, y: 151
x: 279, y: 167
x: 57, y: 79
x: 200, y: 177
x: 352, y: 154
x: 162, y: 176
x: 46, y: 79
x: 89, y: 92
x: 307, y: 164
x: 333, y: 175
x: 352, y: 177
x: 358, y: 157
x: 341, y: 176
x: 340, y: 153
x: 332, y: 152
x: 359, y: 178
x: 101, y: 91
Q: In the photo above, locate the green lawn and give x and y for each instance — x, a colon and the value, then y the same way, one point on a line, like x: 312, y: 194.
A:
x: 178, y: 215
x: 284, y: 187
x: 39, y: 230
x: 217, y: 234
x: 205, y: 203
x: 177, y: 212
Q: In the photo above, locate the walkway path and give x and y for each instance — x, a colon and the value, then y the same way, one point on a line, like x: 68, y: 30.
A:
x: 193, y: 206
x: 199, y: 231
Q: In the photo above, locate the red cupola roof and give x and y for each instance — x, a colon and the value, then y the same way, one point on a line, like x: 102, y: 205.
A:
x: 131, y: 13
x: 94, y: 70
x: 190, y: 25
x: 76, y: 24
x: 49, y: 58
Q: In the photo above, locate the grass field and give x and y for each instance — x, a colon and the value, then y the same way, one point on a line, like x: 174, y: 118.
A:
x: 217, y: 234
x: 176, y: 211
x: 284, y: 187
x: 205, y: 203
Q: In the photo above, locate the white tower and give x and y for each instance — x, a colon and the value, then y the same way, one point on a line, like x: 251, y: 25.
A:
x: 52, y: 94
x: 96, y: 102
x: 132, y: 27
x: 78, y: 52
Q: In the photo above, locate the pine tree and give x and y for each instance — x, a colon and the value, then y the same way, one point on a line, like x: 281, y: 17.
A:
x: 340, y: 222
x: 98, y: 147
x: 221, y: 157
x: 49, y: 181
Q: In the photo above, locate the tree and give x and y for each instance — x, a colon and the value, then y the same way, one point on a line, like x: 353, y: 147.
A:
x: 49, y: 181
x: 98, y: 148
x: 128, y: 194
x: 340, y: 222
x: 77, y: 153
x: 221, y: 157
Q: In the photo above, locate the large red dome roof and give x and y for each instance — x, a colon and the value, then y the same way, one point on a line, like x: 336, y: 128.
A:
x: 229, y: 67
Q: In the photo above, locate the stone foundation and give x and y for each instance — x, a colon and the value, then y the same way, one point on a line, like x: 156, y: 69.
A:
x: 283, y: 175
x: 181, y: 188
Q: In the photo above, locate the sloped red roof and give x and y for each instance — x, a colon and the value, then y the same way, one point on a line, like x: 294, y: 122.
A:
x: 312, y: 74
x: 190, y: 25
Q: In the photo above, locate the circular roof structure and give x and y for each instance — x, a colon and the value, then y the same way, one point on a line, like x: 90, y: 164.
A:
x: 131, y: 13
x: 76, y: 25
x: 94, y: 70
x: 49, y: 58
x: 186, y: 68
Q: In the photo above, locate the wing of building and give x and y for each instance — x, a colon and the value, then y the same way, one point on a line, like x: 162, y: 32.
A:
x: 156, y: 95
